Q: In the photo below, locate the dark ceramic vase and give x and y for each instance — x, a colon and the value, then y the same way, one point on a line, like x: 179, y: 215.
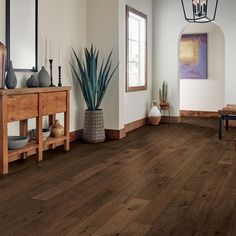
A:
x: 11, y: 80
x: 43, y: 77
x: 32, y: 82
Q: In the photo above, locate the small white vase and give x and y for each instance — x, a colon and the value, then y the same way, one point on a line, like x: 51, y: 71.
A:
x: 154, y: 114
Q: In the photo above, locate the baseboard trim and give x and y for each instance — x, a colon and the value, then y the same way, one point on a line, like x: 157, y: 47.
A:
x: 112, y: 134
x: 171, y: 119
x: 200, y: 114
x: 76, y: 135
x: 135, y: 125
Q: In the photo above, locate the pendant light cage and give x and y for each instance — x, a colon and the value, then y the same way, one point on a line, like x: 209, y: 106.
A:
x: 199, y: 11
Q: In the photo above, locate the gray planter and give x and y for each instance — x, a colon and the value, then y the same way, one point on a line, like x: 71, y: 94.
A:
x: 94, y: 127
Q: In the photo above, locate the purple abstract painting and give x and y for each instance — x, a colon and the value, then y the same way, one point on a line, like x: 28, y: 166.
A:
x: 193, y: 56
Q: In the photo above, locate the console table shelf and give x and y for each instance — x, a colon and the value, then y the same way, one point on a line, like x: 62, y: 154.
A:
x: 13, y: 155
x: 23, y: 104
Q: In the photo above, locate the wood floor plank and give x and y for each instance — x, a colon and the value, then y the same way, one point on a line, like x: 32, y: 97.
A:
x: 135, y: 229
x: 172, y: 179
x: 118, y: 222
x: 163, y: 199
x: 95, y: 221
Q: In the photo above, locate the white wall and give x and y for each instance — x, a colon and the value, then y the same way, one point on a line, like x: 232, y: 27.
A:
x: 106, y: 30
x: 103, y: 31
x: 206, y: 95
x: 168, y: 24
x: 78, y: 23
x: 136, y: 104
x: 65, y: 21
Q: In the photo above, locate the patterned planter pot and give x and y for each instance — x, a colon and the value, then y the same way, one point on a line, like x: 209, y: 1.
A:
x: 94, y: 131
x: 154, y: 120
x: 154, y: 114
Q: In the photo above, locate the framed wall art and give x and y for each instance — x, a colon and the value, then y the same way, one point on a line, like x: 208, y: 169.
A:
x: 193, y: 56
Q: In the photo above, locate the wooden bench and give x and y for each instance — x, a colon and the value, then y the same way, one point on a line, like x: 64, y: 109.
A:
x: 226, y: 114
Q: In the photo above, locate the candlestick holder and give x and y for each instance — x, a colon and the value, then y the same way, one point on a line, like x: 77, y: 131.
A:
x: 59, y: 77
x: 51, y: 85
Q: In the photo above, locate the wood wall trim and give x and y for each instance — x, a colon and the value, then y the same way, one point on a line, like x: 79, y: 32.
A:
x: 135, y: 125
x: 204, y: 114
x: 76, y: 135
x: 171, y: 119
x: 113, y: 134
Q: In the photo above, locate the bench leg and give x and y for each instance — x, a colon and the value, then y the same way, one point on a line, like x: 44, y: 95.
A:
x: 220, y: 127
x: 227, y: 124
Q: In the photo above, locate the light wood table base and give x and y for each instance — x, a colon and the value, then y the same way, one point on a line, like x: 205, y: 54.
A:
x: 23, y: 104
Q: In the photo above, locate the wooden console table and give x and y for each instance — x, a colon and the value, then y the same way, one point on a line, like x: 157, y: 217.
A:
x: 23, y: 104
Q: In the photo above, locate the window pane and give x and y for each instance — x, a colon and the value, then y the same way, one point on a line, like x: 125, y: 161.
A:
x: 136, y: 49
x: 134, y: 28
x: 134, y: 74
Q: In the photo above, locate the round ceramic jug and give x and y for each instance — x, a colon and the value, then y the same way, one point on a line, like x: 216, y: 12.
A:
x: 57, y: 130
x: 44, y: 78
x: 32, y: 82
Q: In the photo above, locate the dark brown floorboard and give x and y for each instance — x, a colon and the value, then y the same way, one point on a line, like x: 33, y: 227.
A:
x: 164, y: 180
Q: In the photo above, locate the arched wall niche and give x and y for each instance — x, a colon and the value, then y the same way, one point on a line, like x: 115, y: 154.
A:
x: 209, y: 94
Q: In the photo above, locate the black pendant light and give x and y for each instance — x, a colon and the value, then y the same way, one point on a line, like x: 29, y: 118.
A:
x: 199, y: 11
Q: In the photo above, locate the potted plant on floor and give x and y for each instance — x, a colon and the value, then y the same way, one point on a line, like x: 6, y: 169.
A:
x: 164, y: 105
x: 93, y: 82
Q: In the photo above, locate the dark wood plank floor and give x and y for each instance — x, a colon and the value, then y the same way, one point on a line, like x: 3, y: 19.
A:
x: 165, y: 180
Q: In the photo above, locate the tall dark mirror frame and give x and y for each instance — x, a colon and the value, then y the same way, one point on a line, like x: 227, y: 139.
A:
x: 9, y: 27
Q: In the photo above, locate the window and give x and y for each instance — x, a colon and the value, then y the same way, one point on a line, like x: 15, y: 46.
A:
x: 136, y: 50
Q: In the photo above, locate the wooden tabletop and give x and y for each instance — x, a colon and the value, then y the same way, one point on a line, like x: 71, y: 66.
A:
x: 18, y: 91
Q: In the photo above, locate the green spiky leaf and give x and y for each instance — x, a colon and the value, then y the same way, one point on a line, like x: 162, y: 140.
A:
x: 93, y: 81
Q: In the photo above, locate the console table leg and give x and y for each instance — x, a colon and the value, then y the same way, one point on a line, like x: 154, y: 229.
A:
x: 39, y: 131
x: 52, y: 119
x: 3, y: 137
x: 23, y: 132
x: 67, y: 122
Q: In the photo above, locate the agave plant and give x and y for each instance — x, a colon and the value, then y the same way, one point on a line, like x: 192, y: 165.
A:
x: 93, y: 82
